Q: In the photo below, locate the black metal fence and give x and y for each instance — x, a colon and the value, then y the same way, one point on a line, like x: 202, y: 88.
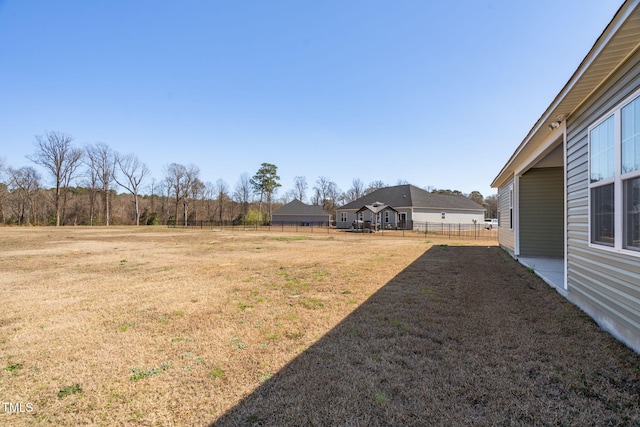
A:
x: 419, y: 230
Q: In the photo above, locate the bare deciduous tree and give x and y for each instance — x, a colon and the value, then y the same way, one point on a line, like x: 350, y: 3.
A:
x: 102, y: 161
x: 326, y: 194
x: 375, y: 185
x: 24, y: 184
x: 194, y: 188
x: 222, y: 198
x: 208, y: 198
x: 355, y: 192
x: 300, y: 187
x: 491, y: 204
x: 477, y: 197
x: 133, y: 172
x: 4, y: 191
x: 242, y: 192
x: 56, y: 153
x: 183, y: 183
x: 92, y: 185
x: 175, y: 184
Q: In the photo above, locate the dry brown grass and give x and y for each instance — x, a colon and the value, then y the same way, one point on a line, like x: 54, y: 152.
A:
x: 188, y: 327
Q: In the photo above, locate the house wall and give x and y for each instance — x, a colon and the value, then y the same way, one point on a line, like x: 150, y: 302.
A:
x: 292, y: 219
x: 351, y: 216
x: 451, y: 216
x: 506, y: 235
x: 418, y: 216
x: 368, y: 216
x: 541, y: 207
x: 604, y: 283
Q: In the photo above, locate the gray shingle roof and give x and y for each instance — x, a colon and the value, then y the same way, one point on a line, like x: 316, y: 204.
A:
x: 296, y: 207
x: 401, y: 196
x: 375, y: 208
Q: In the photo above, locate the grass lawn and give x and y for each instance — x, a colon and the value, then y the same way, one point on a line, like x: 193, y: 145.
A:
x: 154, y: 326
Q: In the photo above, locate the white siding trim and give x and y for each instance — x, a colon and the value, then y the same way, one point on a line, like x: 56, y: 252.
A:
x: 565, y: 243
x: 516, y: 215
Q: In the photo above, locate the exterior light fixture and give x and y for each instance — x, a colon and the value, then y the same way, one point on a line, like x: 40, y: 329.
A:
x: 554, y: 125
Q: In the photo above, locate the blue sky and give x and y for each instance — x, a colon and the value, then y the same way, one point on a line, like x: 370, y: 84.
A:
x: 434, y: 93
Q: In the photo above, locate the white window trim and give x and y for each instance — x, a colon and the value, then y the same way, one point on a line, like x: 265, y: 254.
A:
x: 617, y: 180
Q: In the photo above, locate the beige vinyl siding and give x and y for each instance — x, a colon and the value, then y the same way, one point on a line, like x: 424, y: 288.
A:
x: 541, y: 202
x: 604, y: 283
x: 506, y: 237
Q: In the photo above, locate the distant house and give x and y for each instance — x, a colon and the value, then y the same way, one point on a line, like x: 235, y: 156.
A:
x: 376, y: 212
x: 298, y: 213
x: 569, y: 195
x: 411, y: 208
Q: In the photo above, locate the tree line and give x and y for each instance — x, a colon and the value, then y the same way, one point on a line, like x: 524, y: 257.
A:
x: 87, y: 181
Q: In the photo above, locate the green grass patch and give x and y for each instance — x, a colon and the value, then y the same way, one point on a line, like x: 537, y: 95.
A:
x: 380, y: 398
x: 139, y: 373
x: 311, y: 303
x: 13, y: 367
x: 290, y: 239
x: 244, y: 306
x: 216, y: 373
x: 69, y: 390
x: 237, y: 343
x: 125, y: 326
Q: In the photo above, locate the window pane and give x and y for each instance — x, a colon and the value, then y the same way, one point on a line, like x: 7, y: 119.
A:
x: 601, y: 148
x: 631, y: 137
x: 632, y: 213
x: 602, y: 215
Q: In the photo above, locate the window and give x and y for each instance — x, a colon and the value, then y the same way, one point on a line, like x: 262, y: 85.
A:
x: 630, y: 135
x: 343, y: 217
x: 601, y: 174
x: 602, y: 215
x: 602, y: 151
x: 386, y: 216
x: 632, y: 213
x: 614, y: 178
x: 444, y: 214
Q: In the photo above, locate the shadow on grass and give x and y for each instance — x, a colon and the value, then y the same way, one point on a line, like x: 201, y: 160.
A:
x: 464, y: 335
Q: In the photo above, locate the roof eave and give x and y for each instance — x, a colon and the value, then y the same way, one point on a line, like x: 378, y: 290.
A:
x: 553, y: 113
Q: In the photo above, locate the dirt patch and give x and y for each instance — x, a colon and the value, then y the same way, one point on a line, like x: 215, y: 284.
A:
x: 153, y: 326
